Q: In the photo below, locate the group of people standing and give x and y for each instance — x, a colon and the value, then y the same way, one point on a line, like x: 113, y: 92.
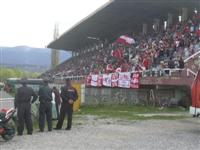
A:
x: 25, y: 96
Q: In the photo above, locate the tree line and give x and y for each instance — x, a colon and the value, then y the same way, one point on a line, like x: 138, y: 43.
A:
x: 16, y: 73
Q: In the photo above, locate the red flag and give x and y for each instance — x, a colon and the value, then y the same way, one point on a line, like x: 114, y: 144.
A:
x: 125, y: 40
x: 196, y: 91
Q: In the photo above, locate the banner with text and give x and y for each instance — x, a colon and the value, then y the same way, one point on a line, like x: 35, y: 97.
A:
x: 124, y: 79
x: 121, y: 79
x: 107, y: 80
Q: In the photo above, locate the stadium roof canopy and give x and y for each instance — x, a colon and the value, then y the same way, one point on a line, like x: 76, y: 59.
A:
x: 119, y: 17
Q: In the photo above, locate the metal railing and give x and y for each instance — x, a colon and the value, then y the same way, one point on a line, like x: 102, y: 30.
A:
x: 144, y: 73
x: 189, y: 71
x: 160, y: 72
x: 6, y: 103
x: 70, y: 77
x: 192, y: 56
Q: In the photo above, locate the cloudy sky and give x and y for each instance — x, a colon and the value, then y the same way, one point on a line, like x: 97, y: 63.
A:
x: 31, y: 22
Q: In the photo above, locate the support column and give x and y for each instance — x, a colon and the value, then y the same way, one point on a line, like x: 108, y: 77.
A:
x: 156, y: 24
x: 184, y: 14
x: 169, y: 19
x: 72, y: 53
x: 144, y: 28
x: 54, y: 58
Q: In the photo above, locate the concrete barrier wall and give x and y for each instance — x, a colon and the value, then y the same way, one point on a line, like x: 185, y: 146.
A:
x: 144, y: 96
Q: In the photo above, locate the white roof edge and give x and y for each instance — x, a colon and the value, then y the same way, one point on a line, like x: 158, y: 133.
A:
x: 82, y: 20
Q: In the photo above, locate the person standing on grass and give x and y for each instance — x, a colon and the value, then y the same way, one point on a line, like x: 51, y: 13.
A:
x: 69, y: 96
x: 45, y: 109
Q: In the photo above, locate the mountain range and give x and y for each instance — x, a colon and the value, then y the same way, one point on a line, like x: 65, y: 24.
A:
x: 28, y: 56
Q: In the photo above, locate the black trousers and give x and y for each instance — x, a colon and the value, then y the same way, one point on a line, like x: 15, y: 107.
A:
x: 66, y: 108
x: 45, y: 110
x: 24, y: 116
x: 57, y: 111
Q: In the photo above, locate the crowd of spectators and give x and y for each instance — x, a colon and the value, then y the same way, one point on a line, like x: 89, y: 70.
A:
x: 163, y: 48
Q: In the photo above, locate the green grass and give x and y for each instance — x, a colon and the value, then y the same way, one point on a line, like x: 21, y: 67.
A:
x: 132, y: 112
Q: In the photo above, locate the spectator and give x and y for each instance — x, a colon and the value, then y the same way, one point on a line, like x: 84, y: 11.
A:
x: 180, y: 39
x: 146, y: 63
x: 181, y: 63
x: 171, y: 63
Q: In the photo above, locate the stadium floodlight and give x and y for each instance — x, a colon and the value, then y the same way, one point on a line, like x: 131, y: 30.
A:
x: 165, y: 25
x: 195, y: 11
x: 179, y: 18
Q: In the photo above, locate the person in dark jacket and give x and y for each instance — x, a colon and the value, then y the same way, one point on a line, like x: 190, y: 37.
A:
x: 23, y: 99
x: 171, y: 63
x: 45, y: 109
x: 69, y: 96
x: 181, y: 63
x: 57, y: 100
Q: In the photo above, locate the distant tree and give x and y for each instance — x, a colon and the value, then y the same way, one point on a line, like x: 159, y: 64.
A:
x: 16, y: 73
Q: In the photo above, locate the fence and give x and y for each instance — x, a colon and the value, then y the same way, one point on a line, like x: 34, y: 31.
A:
x: 6, y: 103
x: 144, y: 73
x: 70, y: 77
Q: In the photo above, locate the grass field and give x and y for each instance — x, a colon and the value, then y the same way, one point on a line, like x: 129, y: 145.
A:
x: 133, y: 112
x: 125, y: 112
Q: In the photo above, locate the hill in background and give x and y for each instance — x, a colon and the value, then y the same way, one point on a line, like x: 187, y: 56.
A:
x: 28, y: 58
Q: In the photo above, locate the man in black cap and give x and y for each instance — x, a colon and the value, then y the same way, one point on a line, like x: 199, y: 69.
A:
x: 45, y: 98
x: 68, y: 95
x: 23, y: 99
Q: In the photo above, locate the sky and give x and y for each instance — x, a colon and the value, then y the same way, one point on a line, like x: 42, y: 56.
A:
x: 31, y: 22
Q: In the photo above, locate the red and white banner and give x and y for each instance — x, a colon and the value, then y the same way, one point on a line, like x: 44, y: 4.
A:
x: 100, y: 80
x: 107, y: 80
x: 124, y: 79
x: 88, y: 80
x: 135, y: 77
x: 126, y: 40
x: 121, y: 79
x: 96, y: 80
x: 114, y: 78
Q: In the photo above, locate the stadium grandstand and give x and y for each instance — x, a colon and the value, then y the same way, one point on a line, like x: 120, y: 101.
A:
x: 158, y: 38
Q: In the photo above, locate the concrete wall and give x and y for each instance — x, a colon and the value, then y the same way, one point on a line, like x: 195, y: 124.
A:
x: 146, y: 96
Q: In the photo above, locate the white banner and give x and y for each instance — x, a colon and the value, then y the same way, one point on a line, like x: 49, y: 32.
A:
x: 107, y: 80
x: 124, y: 79
x: 94, y: 80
